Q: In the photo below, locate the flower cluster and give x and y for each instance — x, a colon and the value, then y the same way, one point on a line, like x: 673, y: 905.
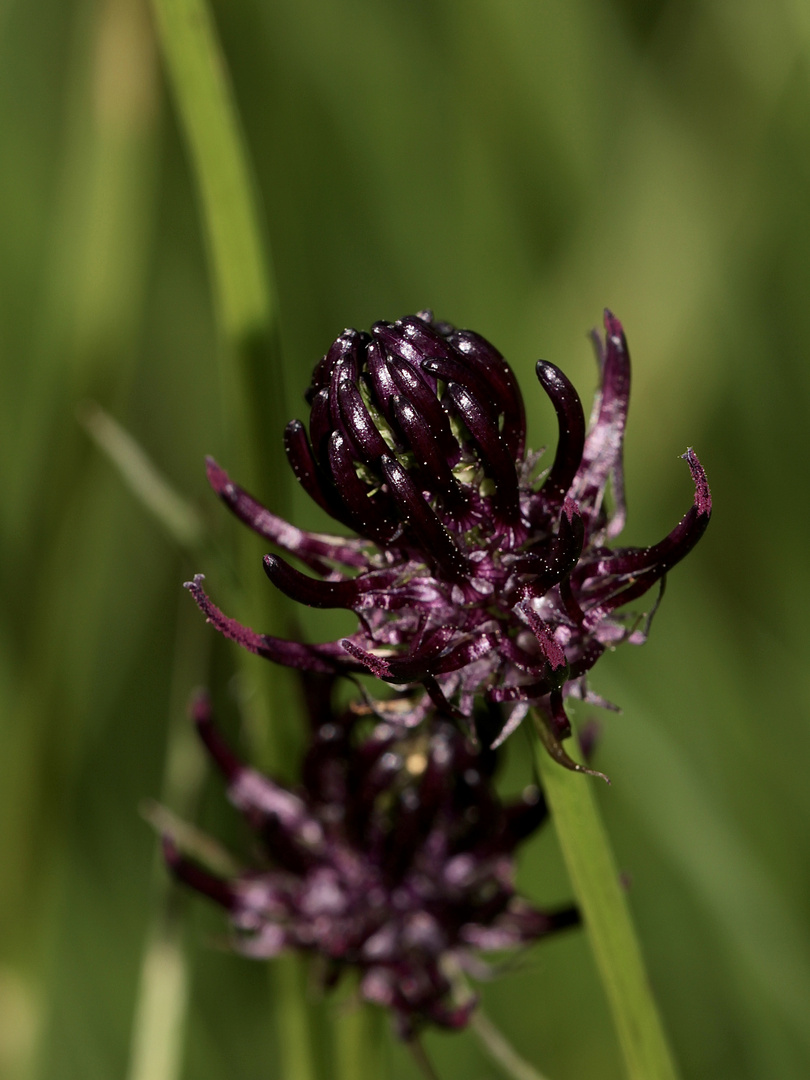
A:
x: 468, y: 576
x: 394, y: 857
x: 481, y: 590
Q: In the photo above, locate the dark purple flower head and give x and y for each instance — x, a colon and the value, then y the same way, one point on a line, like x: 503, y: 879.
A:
x: 393, y: 858
x: 469, y: 576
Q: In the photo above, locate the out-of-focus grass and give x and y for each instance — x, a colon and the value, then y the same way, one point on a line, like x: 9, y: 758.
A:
x: 517, y: 167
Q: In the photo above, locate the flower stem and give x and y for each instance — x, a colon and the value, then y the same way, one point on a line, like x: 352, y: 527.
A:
x: 288, y: 978
x: 423, y: 1062
x: 160, y: 1017
x: 251, y: 376
x: 500, y: 1050
x: 594, y: 876
x: 159, y: 1023
x: 359, y: 1043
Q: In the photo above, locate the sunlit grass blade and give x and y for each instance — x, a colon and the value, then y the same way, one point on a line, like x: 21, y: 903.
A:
x: 162, y: 1004
x: 242, y: 283
x: 205, y: 104
x: 606, y: 915
x: 159, y: 1023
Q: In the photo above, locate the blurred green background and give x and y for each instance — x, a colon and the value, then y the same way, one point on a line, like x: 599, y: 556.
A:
x: 515, y: 166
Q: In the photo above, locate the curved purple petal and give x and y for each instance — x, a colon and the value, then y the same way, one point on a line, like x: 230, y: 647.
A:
x: 422, y: 441
x: 490, y: 365
x: 366, y: 590
x: 411, y: 339
x: 307, y: 590
x: 426, y: 660
x: 531, y: 923
x: 468, y: 652
x: 571, y: 441
x: 343, y: 354
x: 602, y: 455
x: 369, y: 518
x: 552, y: 720
x: 555, y: 559
x: 358, y: 425
x: 439, y: 700
x: 500, y: 463
x: 311, y: 548
x: 414, y: 389
x: 325, y: 658
x: 377, y: 665
x: 525, y: 692
x: 380, y: 378
x: 524, y: 817
x: 457, y: 371
x: 419, y: 330
x: 586, y: 659
x: 307, y: 471
x: 216, y: 888
x: 288, y: 828
x: 424, y: 655
x: 549, y: 646
x: 226, y: 761
x: 320, y: 423
x: 629, y: 574
x: 435, y: 540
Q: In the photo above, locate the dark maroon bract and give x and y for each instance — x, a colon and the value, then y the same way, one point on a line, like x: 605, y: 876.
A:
x: 394, y: 858
x: 469, y: 576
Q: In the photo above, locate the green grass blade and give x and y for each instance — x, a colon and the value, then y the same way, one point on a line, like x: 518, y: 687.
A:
x: 161, y: 1012
x: 246, y: 304
x: 205, y: 104
x: 177, y: 516
x: 289, y: 976
x: 501, y: 1050
x: 252, y: 384
x: 595, y: 878
x: 359, y: 1041
x: 159, y: 1026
